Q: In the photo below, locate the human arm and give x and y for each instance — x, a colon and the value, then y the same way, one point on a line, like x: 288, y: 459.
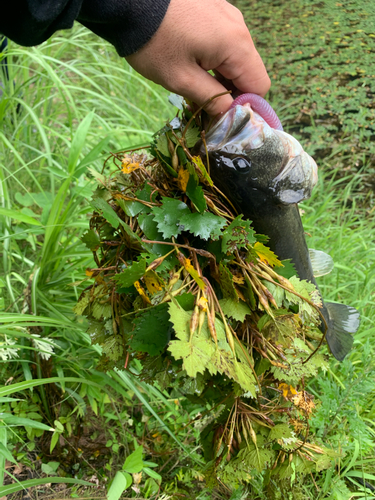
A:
x: 172, y: 43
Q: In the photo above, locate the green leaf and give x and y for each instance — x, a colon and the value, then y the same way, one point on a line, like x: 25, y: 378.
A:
x: 152, y: 474
x: 120, y: 483
x: 168, y: 215
x: 50, y: 468
x: 131, y: 208
x: 237, y: 235
x: 194, y: 191
x: 108, y: 213
x: 91, y: 239
x: 206, y: 225
x: 131, y: 274
x: 162, y: 145
x: 134, y: 462
x: 15, y: 214
x: 152, y: 331
x: 287, y: 271
x: 149, y: 227
x: 235, y: 309
x: 186, y: 301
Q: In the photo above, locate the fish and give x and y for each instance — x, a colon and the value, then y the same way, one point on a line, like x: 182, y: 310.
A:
x: 265, y: 173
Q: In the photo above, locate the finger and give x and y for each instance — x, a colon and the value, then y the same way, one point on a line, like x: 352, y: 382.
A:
x: 247, y: 72
x: 199, y: 86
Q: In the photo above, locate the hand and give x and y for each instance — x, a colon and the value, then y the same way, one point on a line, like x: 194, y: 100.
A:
x: 194, y: 37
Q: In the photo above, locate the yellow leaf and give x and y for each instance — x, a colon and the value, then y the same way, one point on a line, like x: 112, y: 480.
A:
x: 127, y: 168
x: 89, y: 273
x: 288, y: 390
x: 142, y: 292
x: 183, y: 179
x: 191, y: 270
x: 266, y: 255
x: 129, y: 164
x: 153, y: 282
x: 202, y: 304
x: 238, y: 279
x: 202, y: 170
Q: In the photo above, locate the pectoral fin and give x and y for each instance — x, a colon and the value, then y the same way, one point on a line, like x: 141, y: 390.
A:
x: 342, y: 322
x: 321, y: 262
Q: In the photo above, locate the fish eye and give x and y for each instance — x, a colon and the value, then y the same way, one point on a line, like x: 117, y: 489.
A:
x: 241, y: 164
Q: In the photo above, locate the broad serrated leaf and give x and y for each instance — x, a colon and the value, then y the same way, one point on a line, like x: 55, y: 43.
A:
x: 238, y: 234
x: 168, y: 216
x: 131, y: 274
x: 310, y: 292
x: 113, y: 348
x: 234, y: 309
x: 100, y: 311
x: 224, y: 362
x: 256, y: 458
x: 206, y: 225
x: 266, y: 255
x: 280, y: 431
x: 180, y: 320
x: 107, y: 211
x: 195, y: 354
x: 82, y: 304
x: 192, y: 136
x: 152, y: 330
x: 91, y: 239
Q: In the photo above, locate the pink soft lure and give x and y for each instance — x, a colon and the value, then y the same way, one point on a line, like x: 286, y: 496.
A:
x: 260, y: 106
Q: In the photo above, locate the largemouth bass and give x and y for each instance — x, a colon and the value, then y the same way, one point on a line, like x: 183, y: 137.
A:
x: 265, y: 173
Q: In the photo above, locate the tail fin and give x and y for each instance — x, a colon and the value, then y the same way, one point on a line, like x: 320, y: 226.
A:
x: 342, y: 322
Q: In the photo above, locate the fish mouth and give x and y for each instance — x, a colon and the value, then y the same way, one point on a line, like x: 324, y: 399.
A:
x: 273, y: 159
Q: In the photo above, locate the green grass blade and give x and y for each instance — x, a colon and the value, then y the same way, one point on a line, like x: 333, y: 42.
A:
x: 30, y: 483
x: 15, y: 214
